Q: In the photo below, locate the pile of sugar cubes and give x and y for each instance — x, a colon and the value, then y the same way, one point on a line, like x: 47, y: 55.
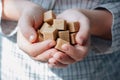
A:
x: 61, y: 31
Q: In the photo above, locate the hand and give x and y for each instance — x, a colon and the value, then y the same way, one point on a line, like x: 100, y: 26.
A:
x: 92, y: 22
x: 40, y: 51
x: 30, y: 20
x: 77, y: 52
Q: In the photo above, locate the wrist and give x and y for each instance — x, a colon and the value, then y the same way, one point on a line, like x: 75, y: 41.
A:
x: 100, y: 22
x: 12, y: 10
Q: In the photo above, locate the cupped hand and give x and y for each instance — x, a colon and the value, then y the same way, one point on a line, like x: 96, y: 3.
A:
x: 28, y: 24
x: 73, y: 53
x: 40, y: 51
x: 31, y: 19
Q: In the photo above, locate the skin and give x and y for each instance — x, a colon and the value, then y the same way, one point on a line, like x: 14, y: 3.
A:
x: 92, y: 22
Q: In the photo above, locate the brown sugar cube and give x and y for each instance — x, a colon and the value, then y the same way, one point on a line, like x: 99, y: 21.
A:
x: 49, y: 16
x: 73, y: 26
x: 60, y: 24
x: 59, y: 44
x: 44, y: 27
x: 50, y: 33
x: 64, y: 35
x: 72, y: 36
x: 40, y: 36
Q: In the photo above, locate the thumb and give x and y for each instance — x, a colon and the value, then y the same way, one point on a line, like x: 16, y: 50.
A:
x: 83, y: 34
x: 26, y: 27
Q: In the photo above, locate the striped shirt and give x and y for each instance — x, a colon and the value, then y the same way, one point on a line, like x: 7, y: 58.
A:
x: 102, y: 62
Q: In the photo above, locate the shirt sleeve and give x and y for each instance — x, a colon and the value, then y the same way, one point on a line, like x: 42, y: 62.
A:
x: 114, y: 8
x: 7, y: 28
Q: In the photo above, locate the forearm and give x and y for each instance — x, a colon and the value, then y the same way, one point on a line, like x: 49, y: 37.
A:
x: 100, y: 22
x: 12, y: 9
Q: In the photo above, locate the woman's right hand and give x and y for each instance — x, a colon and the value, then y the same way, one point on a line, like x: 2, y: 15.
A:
x: 30, y: 20
x: 40, y: 51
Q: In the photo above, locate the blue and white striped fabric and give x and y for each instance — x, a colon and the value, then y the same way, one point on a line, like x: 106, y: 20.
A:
x: 102, y: 62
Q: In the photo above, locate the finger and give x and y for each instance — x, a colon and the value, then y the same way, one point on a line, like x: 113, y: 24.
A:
x: 44, y: 57
x: 34, y: 49
x: 38, y: 48
x: 54, y: 63
x: 26, y: 27
x: 63, y: 58
x: 77, y: 52
x: 84, y: 32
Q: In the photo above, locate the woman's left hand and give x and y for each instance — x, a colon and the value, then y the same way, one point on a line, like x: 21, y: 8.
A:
x: 79, y: 51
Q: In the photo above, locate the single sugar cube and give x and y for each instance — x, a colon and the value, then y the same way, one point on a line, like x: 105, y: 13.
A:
x: 73, y: 26
x: 60, y: 24
x: 64, y: 35
x: 49, y: 16
x: 72, y: 37
x: 44, y: 27
x: 50, y: 33
x: 59, y: 44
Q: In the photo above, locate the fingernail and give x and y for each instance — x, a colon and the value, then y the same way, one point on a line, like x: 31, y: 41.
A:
x: 51, y: 43
x: 31, y: 38
x: 83, y: 42
x: 81, y: 39
x: 57, y: 56
x: 80, y: 42
x: 65, y: 47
